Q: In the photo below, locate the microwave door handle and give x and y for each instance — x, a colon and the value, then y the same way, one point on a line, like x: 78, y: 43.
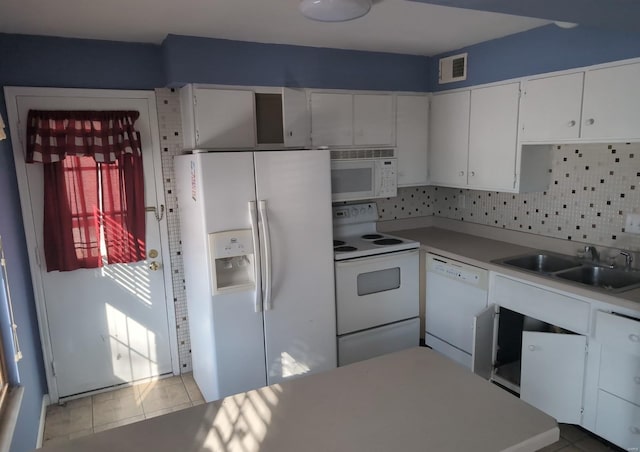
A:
x: 264, y: 222
x: 256, y: 253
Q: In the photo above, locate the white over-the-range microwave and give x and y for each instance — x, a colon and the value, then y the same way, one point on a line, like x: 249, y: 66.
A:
x: 358, y: 174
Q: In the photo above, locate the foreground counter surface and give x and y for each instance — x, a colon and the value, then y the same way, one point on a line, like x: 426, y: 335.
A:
x: 414, y: 400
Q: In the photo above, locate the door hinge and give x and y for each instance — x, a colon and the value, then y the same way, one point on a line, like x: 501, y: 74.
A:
x: 197, y: 137
x: 195, y: 100
x: 53, y: 368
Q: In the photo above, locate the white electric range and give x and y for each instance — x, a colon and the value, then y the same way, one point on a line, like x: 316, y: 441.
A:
x: 377, y: 286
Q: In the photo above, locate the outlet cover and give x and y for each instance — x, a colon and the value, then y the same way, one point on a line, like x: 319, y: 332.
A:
x: 632, y: 224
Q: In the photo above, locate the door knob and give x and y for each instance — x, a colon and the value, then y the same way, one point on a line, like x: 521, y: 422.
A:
x: 590, y: 121
x: 461, y: 173
x: 154, y: 266
x: 572, y: 123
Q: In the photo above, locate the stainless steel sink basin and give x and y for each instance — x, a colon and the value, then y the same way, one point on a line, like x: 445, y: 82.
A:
x: 542, y: 263
x: 603, y: 277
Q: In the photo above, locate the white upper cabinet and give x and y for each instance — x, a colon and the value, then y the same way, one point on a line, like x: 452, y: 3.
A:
x: 412, y: 137
x: 244, y: 118
x: 473, y: 137
x: 295, y: 116
x: 594, y: 105
x: 551, y: 108
x: 611, y: 107
x: 331, y: 119
x: 373, y: 119
x: 344, y: 119
x: 493, y: 137
x: 449, y: 138
x: 223, y: 118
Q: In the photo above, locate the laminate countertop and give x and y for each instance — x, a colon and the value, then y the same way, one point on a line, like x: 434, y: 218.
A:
x: 481, y: 252
x: 413, y: 400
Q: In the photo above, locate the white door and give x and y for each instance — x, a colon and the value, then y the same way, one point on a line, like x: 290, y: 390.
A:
x: 331, y: 119
x: 106, y: 326
x: 611, y: 99
x: 449, y: 139
x: 493, y: 133
x: 412, y: 139
x: 552, y: 373
x: 300, y: 316
x: 373, y: 120
x: 551, y: 108
x: 225, y: 119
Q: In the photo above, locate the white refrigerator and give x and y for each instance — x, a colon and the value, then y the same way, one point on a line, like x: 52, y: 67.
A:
x: 257, y: 246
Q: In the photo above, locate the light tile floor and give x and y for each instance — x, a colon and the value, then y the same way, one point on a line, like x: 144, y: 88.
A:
x: 100, y: 412
x: 574, y: 439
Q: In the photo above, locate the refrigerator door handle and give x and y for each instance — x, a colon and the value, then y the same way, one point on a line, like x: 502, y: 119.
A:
x: 256, y: 254
x: 264, y: 222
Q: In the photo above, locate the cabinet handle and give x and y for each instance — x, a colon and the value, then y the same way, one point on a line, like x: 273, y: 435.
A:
x: 590, y: 122
x: 290, y: 133
x: 634, y: 338
x: 532, y: 348
x: 572, y: 123
x: 634, y: 430
x: 637, y: 380
x: 473, y: 173
x: 461, y: 173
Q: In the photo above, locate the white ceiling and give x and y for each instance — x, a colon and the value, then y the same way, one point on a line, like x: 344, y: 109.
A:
x: 397, y: 26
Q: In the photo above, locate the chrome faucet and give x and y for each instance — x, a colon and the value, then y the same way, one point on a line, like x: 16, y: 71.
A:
x: 595, y: 256
x: 628, y: 259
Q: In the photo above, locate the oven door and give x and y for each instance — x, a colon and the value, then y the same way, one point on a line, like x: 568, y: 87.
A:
x: 377, y: 290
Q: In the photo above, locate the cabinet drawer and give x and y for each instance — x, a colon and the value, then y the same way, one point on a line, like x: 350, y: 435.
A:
x: 619, y: 332
x: 545, y: 305
x: 620, y: 374
x: 618, y: 421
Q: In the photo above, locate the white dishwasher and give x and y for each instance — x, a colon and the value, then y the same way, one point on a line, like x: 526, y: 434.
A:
x: 455, y: 294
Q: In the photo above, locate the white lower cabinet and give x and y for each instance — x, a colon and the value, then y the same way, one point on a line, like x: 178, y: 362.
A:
x: 618, y: 385
x: 552, y: 373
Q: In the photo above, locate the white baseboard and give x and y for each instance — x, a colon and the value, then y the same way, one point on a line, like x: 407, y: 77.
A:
x: 46, y: 401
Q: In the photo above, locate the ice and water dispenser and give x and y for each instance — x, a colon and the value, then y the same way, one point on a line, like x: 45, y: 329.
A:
x: 233, y: 261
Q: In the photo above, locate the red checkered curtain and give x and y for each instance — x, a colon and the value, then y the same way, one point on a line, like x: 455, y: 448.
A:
x: 93, y: 186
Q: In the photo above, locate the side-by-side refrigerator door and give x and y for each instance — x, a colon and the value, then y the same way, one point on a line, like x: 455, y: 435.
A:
x: 228, y: 189
x: 294, y: 190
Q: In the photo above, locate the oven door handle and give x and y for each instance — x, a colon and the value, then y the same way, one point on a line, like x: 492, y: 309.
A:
x: 266, y: 237
x: 376, y: 258
x: 256, y: 253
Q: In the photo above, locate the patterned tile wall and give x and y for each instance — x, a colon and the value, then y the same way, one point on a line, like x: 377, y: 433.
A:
x: 170, y: 125
x: 593, y: 188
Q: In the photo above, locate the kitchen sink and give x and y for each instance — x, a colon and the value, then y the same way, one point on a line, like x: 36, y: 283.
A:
x: 572, y: 269
x: 542, y: 263
x: 606, y: 278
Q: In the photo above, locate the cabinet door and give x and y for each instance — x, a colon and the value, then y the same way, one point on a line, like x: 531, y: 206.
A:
x: 552, y: 378
x: 611, y: 102
x: 297, y: 127
x: 224, y: 118
x: 331, y: 119
x: 449, y: 139
x: 493, y: 136
x: 412, y: 124
x: 484, y: 330
x: 373, y: 120
x: 551, y: 108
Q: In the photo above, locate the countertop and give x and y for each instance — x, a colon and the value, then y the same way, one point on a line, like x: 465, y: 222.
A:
x: 413, y: 400
x: 480, y: 251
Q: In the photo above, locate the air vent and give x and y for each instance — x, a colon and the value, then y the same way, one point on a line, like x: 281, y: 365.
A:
x: 453, y: 68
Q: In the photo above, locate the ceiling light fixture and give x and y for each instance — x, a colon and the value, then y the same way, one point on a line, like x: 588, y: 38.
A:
x: 334, y: 10
x: 565, y: 25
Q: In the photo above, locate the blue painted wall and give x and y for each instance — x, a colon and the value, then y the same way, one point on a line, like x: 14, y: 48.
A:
x: 39, y: 61
x: 219, y: 61
x: 537, y: 51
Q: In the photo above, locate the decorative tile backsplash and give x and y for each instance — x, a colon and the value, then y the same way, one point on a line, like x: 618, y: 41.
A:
x: 593, y: 188
x: 170, y: 126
